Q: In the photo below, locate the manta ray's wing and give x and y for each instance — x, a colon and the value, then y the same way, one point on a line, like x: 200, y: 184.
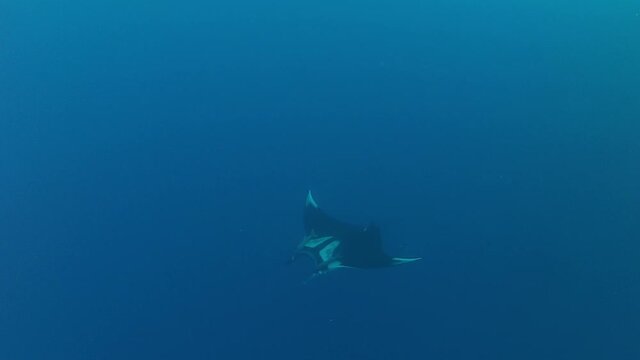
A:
x: 364, y: 249
x: 318, y: 223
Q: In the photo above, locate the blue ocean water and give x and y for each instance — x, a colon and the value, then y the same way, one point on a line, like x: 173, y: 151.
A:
x: 155, y: 156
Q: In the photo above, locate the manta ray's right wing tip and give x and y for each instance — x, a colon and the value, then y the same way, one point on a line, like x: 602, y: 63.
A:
x: 310, y: 201
x: 400, y: 261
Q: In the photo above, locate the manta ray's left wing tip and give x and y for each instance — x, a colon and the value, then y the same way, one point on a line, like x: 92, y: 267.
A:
x: 310, y: 201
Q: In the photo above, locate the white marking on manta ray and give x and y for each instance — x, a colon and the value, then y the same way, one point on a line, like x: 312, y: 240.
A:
x: 327, y: 252
x: 336, y: 264
x: 314, y: 242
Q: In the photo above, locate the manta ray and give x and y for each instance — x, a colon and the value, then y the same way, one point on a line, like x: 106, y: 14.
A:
x: 334, y: 244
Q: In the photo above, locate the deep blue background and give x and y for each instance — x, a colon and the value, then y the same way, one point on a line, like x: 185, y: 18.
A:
x: 154, y: 158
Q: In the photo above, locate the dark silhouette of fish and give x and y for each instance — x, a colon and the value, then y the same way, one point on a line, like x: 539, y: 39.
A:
x: 335, y: 244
